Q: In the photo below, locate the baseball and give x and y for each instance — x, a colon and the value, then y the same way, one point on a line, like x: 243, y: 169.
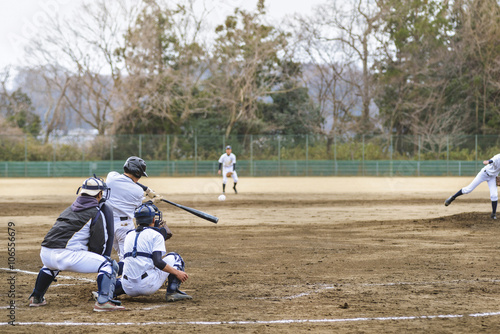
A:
x: 222, y: 198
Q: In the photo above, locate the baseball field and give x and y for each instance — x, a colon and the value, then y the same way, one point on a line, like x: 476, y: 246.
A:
x: 289, y: 255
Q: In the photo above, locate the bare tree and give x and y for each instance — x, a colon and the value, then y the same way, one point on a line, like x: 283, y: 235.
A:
x: 78, y: 56
x: 354, y: 25
x: 476, y: 47
x: 324, y: 75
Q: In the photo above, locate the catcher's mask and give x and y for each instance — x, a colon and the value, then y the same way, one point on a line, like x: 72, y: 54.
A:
x: 146, y: 214
x: 135, y: 166
x: 92, y: 186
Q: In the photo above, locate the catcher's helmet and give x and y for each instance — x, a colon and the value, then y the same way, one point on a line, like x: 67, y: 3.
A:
x: 92, y: 186
x: 135, y: 166
x: 145, y: 214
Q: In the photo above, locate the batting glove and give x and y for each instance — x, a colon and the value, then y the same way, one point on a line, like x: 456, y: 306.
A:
x: 157, y: 199
x: 150, y: 193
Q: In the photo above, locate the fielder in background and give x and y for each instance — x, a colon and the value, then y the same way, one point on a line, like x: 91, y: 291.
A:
x: 145, y: 271
x: 81, y: 241
x: 487, y: 174
x: 126, y: 195
x: 227, y: 166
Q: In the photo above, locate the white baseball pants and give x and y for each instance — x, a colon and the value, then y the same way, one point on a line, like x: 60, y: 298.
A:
x: 78, y: 261
x: 481, y: 177
x: 150, y: 284
x: 225, y: 170
x: 121, y: 230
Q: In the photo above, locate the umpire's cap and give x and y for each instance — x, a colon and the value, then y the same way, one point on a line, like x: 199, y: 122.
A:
x: 92, y: 186
x: 135, y: 166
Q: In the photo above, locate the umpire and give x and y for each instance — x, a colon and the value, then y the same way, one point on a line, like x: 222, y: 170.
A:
x: 81, y: 241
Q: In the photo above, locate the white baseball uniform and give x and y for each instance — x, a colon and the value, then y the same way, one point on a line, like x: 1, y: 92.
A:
x: 487, y: 174
x: 125, y: 197
x: 228, y: 162
x: 140, y: 276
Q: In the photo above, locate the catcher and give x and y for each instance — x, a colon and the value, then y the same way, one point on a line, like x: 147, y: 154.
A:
x: 489, y: 174
x: 227, y: 166
x: 144, y: 270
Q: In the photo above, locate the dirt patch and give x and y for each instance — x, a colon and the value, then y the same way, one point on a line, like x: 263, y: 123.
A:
x: 282, y: 262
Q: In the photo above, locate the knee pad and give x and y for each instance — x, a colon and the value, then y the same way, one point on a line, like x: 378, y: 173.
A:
x: 50, y: 272
x: 178, y: 262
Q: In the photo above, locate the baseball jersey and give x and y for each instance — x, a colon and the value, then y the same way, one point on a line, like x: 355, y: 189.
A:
x: 149, y: 241
x: 227, y: 160
x: 125, y: 196
x: 494, y: 168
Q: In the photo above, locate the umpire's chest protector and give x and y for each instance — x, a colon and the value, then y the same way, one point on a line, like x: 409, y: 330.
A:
x: 67, y: 226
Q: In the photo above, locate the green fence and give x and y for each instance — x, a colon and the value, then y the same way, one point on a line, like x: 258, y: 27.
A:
x: 246, y: 168
x: 306, y: 155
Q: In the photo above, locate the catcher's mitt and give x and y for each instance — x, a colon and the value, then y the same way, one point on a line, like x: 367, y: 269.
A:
x: 498, y: 180
x: 231, y: 173
x: 168, y: 233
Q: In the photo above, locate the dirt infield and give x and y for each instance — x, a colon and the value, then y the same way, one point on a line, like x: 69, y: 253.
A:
x: 289, y: 255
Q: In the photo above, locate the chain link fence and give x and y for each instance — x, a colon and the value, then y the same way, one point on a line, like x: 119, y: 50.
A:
x: 305, y: 155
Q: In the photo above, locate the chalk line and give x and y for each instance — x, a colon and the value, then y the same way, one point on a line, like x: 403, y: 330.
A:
x: 258, y: 322
x: 58, y: 276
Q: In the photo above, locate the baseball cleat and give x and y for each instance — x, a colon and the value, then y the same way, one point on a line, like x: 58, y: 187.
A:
x: 35, y: 301
x: 493, y: 216
x: 107, y: 306
x: 448, y: 201
x: 95, y: 295
x: 177, y: 295
x: 235, y: 191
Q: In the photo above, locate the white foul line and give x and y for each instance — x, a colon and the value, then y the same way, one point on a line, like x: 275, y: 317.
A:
x: 256, y: 322
x: 58, y: 276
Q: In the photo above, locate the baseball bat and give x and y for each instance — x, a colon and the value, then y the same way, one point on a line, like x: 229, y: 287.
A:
x: 195, y: 212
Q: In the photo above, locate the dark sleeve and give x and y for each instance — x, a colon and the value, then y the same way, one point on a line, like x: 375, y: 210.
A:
x: 220, y: 165
x: 142, y: 186
x: 157, y: 260
x: 234, y: 166
x: 108, y: 214
x: 490, y: 161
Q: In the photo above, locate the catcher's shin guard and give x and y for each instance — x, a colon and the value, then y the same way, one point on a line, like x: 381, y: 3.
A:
x: 173, y: 282
x: 106, y: 281
x: 44, y: 279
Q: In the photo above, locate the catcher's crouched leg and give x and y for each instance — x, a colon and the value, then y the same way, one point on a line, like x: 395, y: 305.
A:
x: 173, y: 283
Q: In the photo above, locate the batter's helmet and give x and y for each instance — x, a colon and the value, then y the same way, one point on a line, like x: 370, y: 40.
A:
x: 145, y: 214
x: 135, y: 166
x: 92, y: 186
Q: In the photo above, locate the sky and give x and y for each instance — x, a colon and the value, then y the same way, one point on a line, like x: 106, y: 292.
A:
x: 19, y: 20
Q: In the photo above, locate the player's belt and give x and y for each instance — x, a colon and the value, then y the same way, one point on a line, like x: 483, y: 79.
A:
x: 487, y: 173
x: 123, y: 218
x: 143, y: 276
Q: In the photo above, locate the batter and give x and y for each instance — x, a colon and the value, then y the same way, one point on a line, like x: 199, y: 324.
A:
x: 126, y: 195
